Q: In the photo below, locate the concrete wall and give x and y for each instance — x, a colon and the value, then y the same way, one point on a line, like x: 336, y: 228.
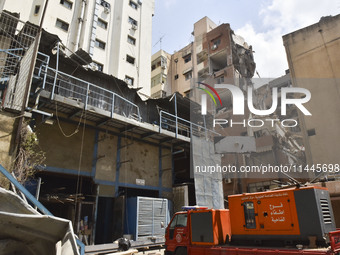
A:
x: 102, y: 154
x: 313, y: 55
x: 64, y: 152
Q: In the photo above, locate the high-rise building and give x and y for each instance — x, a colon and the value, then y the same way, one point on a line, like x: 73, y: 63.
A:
x: 116, y: 34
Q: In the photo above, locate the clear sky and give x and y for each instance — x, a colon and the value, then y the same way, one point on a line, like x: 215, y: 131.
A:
x: 260, y: 22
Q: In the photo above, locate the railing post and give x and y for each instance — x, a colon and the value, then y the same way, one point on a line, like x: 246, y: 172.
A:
x: 56, y: 72
x: 160, y: 122
x: 113, y: 105
x: 87, y: 95
x: 176, y: 126
x: 46, y: 68
x: 139, y: 117
x: 190, y: 129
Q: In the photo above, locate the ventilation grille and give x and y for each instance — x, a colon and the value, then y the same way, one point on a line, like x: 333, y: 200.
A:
x: 327, y: 219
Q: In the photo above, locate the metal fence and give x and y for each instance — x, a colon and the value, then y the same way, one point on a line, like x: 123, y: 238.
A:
x: 16, y: 37
x: 183, y: 127
x: 91, y: 95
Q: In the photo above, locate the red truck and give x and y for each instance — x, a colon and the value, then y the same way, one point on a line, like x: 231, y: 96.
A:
x: 287, y: 221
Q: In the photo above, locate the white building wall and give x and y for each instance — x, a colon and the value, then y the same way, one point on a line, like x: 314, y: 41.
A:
x: 115, y: 36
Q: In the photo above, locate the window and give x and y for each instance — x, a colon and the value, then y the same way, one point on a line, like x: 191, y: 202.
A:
x: 249, y: 215
x: 62, y: 24
x: 132, y: 21
x: 100, y: 67
x: 180, y: 220
x: 36, y: 9
x: 102, y: 23
x: 176, y: 76
x: 131, y: 40
x: 100, y: 44
x: 187, y: 58
x: 220, y: 80
x: 129, y: 80
x: 104, y: 4
x: 130, y: 59
x: 133, y: 5
x: 311, y: 132
x: 188, y: 75
x: 68, y: 4
x: 216, y: 43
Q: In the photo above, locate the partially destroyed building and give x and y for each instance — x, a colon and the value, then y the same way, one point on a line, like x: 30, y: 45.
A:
x: 111, y: 158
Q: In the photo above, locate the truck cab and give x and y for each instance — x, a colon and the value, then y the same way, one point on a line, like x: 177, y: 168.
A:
x: 198, y: 226
x: 176, y: 235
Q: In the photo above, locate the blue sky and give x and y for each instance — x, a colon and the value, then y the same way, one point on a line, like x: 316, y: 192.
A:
x: 260, y: 22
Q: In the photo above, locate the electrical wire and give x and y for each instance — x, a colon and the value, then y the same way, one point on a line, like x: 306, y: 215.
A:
x: 59, y: 125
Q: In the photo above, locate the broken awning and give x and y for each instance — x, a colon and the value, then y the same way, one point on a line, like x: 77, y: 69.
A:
x: 25, y: 231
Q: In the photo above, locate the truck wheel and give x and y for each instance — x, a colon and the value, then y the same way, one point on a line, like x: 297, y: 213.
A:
x: 181, y: 251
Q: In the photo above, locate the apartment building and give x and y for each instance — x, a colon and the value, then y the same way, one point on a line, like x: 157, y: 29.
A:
x: 313, y: 58
x: 215, y: 53
x: 116, y: 34
x: 159, y: 74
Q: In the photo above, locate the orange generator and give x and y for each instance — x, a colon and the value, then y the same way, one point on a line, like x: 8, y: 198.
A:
x: 282, y: 217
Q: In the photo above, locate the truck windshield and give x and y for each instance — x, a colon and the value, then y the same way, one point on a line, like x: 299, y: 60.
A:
x: 180, y: 220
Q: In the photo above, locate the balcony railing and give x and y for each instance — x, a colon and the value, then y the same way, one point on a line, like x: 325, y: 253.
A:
x: 63, y: 84
x: 183, y: 127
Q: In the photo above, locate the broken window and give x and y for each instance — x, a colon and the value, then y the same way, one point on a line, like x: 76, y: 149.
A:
x: 216, y: 43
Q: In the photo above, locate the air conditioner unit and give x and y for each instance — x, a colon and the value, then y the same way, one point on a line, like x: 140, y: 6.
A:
x: 214, y: 47
x: 134, y: 27
x: 106, y: 10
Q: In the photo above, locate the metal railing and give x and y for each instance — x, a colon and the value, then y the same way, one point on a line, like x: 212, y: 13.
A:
x: 15, y: 38
x: 182, y: 126
x: 63, y: 84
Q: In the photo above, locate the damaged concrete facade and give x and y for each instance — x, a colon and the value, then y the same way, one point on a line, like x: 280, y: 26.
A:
x: 103, y: 144
x: 215, y: 53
